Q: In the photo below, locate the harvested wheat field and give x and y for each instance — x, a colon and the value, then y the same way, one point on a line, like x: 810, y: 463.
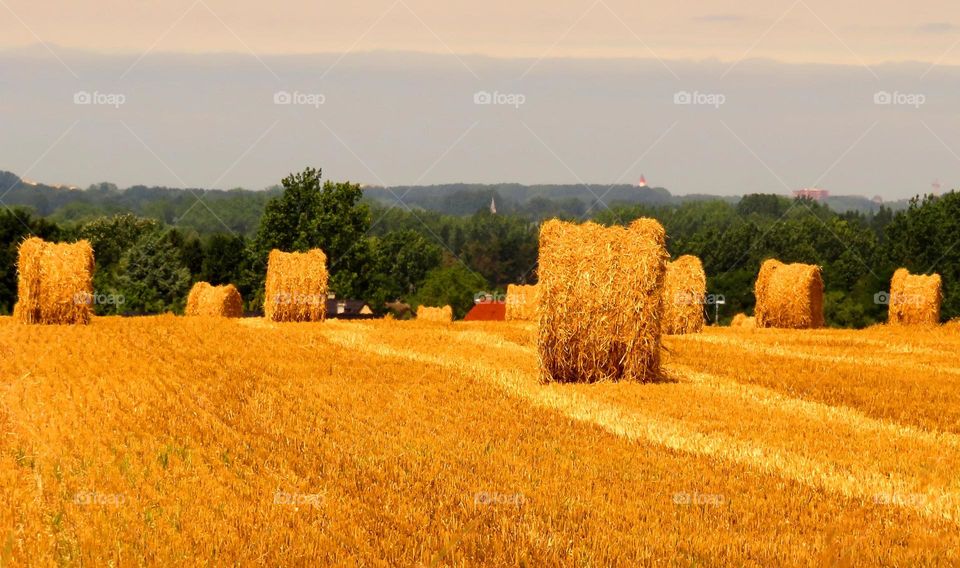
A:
x: 172, y: 440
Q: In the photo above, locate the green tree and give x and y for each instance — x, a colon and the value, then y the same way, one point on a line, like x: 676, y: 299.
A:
x: 328, y: 216
x: 401, y: 261
x: 454, y: 284
x: 926, y: 239
x: 152, y: 277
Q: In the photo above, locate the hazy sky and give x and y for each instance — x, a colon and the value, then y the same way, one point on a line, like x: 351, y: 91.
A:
x: 821, y: 31
x: 701, y: 97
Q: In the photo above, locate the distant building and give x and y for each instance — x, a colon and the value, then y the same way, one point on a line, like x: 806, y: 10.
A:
x: 347, y: 309
x: 487, y: 311
x: 493, y: 206
x: 814, y: 193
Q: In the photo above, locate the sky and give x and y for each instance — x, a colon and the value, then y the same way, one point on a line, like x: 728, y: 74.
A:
x: 809, y: 31
x: 700, y: 97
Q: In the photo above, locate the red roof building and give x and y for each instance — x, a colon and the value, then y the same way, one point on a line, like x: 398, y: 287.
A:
x: 487, y: 311
x: 814, y: 193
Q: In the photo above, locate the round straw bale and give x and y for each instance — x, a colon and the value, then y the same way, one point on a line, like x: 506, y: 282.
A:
x: 600, y: 301
x: 521, y: 302
x: 915, y: 299
x: 684, y: 293
x: 789, y: 296
x: 441, y: 315
x: 296, y: 287
x: 217, y: 301
x: 55, y: 282
x: 742, y: 320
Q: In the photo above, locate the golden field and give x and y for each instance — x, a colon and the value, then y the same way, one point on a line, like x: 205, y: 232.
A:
x: 245, y: 442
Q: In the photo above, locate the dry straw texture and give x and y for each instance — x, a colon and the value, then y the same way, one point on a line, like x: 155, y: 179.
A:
x: 296, y: 288
x: 601, y: 301
x: 789, y: 296
x: 684, y: 292
x: 55, y: 283
x: 915, y: 299
x: 219, y: 301
x: 521, y: 302
x: 742, y: 320
x: 444, y: 314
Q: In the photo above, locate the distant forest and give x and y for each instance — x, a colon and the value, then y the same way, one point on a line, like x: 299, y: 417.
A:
x: 239, y: 210
x: 443, y: 245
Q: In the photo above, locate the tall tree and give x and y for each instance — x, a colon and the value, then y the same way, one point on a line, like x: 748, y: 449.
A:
x: 329, y: 216
x: 152, y: 277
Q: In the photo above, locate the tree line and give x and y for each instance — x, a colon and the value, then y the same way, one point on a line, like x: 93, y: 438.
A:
x: 380, y: 253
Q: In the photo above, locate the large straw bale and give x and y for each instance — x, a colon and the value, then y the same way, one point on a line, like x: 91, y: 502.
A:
x: 217, y: 301
x: 443, y: 315
x: 296, y: 287
x: 684, y: 294
x: 600, y: 301
x: 521, y: 302
x: 915, y: 299
x: 742, y: 320
x: 55, y: 282
x: 789, y: 296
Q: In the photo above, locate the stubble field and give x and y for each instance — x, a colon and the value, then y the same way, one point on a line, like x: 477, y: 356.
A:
x: 219, y: 442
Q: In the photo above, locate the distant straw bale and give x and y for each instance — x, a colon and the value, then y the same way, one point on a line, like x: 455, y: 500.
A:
x: 789, y: 296
x: 217, y: 301
x: 742, y: 320
x: 915, y: 299
x: 443, y: 315
x: 296, y: 287
x: 55, y: 282
x: 521, y: 302
x: 600, y: 301
x: 684, y: 294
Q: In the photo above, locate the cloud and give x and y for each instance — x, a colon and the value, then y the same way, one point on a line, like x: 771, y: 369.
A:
x: 936, y: 28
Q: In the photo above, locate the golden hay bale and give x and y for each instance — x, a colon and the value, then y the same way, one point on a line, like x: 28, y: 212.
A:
x: 218, y: 301
x: 684, y: 293
x: 521, y: 302
x: 443, y: 315
x: 742, y: 320
x: 296, y: 288
x: 600, y: 301
x: 55, y: 283
x: 789, y: 296
x: 915, y: 299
